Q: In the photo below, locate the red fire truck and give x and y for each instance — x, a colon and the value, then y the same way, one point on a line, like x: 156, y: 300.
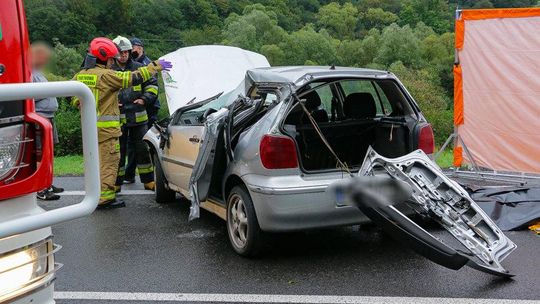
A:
x: 27, y: 265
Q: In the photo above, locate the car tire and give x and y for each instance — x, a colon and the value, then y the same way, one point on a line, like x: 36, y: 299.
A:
x: 245, y: 235
x: 163, y: 194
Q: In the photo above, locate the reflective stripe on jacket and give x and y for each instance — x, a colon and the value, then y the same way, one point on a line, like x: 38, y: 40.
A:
x: 105, y: 85
x: 133, y: 114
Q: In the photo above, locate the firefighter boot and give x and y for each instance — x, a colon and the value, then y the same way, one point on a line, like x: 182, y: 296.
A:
x: 113, y: 204
x: 150, y: 186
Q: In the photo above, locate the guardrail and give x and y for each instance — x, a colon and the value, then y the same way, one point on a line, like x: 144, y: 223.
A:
x: 20, y: 91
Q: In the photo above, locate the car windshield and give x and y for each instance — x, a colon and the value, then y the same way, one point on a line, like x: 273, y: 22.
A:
x: 222, y: 101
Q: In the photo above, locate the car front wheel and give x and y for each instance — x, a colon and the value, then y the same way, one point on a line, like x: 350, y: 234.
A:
x: 243, y: 229
x: 163, y: 195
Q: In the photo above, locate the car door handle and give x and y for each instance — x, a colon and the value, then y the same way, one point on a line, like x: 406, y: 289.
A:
x: 194, y: 139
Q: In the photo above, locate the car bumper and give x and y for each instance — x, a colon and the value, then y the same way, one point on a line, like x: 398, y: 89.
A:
x: 287, y: 203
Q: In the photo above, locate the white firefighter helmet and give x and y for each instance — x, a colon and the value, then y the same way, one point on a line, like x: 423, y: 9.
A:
x: 122, y: 43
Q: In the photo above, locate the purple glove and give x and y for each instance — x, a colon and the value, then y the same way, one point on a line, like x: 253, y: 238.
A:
x: 166, y: 65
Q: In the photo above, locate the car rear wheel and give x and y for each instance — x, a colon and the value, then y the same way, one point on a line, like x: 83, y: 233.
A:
x: 163, y: 195
x: 243, y: 229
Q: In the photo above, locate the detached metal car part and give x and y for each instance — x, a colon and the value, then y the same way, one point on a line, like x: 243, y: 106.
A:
x: 438, y: 197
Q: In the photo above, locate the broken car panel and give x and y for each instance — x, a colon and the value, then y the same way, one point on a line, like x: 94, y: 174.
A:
x: 434, y: 195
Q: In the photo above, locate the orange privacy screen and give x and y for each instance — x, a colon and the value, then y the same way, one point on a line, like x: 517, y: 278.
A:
x: 497, y: 88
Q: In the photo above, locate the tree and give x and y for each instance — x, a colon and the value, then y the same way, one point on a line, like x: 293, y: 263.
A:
x: 434, y: 13
x: 438, y: 53
x: 421, y: 30
x: 377, y: 18
x: 307, y: 46
x: 351, y: 53
x: 44, y: 25
x: 399, y: 44
x: 495, y: 3
x: 393, y: 6
x: 339, y: 20
x: 483, y: 4
x: 255, y: 28
x: 274, y: 54
x: 205, y: 35
x: 430, y: 97
x: 65, y: 61
x: 241, y: 33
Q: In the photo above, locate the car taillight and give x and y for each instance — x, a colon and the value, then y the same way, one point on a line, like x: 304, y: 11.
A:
x: 12, y: 141
x: 426, y: 140
x: 278, y: 152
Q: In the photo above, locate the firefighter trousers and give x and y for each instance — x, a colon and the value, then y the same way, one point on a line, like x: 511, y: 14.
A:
x: 109, y: 155
x: 134, y: 136
x: 131, y: 156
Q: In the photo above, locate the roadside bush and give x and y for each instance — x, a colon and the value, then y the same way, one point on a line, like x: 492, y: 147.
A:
x: 443, y: 125
x: 65, y: 61
x: 68, y: 123
x: 430, y: 97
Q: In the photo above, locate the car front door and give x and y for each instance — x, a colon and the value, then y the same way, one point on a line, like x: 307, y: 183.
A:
x: 181, y: 150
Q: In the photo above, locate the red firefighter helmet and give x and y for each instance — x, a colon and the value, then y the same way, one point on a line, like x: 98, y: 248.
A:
x: 103, y: 48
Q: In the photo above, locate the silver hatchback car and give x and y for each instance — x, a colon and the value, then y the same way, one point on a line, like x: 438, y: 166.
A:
x: 293, y: 148
x: 262, y: 156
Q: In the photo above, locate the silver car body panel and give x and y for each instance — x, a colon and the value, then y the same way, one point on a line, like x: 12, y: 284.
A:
x: 198, y: 189
x: 445, y: 201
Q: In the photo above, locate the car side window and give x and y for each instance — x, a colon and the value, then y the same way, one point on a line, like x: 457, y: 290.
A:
x: 325, y: 93
x: 384, y: 99
x: 363, y: 86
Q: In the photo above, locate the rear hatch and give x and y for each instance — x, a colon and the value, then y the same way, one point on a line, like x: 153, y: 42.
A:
x: 389, y: 190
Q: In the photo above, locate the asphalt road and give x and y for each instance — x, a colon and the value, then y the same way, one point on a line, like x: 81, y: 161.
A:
x: 151, y: 248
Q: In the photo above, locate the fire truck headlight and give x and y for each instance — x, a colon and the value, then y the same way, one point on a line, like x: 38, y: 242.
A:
x: 21, y: 268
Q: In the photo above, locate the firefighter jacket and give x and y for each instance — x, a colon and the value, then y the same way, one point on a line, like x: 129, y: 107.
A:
x: 105, y: 85
x: 134, y: 114
x: 151, y: 108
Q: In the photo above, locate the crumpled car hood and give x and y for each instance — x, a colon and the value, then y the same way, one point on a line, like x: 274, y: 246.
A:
x: 480, y: 243
x: 200, y: 72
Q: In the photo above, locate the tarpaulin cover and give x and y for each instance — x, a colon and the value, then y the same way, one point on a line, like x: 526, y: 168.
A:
x: 511, y: 208
x: 497, y: 88
x: 200, y: 72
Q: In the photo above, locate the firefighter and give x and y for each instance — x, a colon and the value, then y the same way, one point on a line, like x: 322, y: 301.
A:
x: 105, y: 84
x: 133, y: 102
x: 152, y: 109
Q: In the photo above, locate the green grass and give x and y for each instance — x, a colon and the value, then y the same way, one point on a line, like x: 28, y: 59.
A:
x: 68, y: 165
x: 446, y: 159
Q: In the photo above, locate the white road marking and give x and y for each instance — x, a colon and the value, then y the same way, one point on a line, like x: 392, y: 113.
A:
x: 262, y: 298
x: 124, y: 192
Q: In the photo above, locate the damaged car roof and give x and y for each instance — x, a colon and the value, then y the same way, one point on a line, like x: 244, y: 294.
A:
x: 297, y: 74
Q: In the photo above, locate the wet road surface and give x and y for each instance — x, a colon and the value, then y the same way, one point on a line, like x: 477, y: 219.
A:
x: 152, y: 248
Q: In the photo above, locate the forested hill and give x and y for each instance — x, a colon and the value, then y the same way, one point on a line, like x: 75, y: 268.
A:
x: 169, y: 24
x: 412, y: 38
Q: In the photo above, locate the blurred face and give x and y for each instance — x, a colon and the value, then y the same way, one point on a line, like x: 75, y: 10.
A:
x: 139, y: 50
x: 41, y: 55
x: 124, y: 56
